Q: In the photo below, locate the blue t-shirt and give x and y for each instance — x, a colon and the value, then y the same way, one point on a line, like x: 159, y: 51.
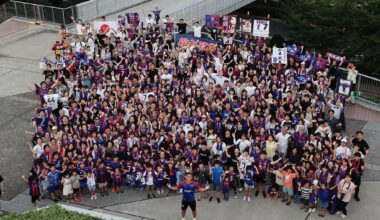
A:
x: 217, y: 175
x: 323, y: 195
x: 249, y: 179
x: 53, y: 178
x: 188, y: 190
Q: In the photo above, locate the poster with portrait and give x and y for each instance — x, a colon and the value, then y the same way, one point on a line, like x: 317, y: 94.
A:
x: 133, y: 19
x: 212, y: 21
x: 245, y: 25
x: 228, y: 24
x: 344, y: 87
x: 279, y: 55
x: 260, y: 28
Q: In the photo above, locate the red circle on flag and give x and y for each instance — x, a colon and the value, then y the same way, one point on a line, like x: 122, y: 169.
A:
x: 105, y: 28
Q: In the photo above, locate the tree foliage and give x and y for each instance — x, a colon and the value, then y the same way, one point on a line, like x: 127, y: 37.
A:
x: 344, y: 27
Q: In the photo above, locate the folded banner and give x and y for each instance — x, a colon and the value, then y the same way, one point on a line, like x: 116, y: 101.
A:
x: 133, y: 18
x: 279, y: 55
x: 334, y: 56
x: 106, y: 27
x: 182, y: 40
x: 260, y: 28
x: 228, y: 24
x: 293, y: 49
x: 245, y: 25
x: 212, y: 21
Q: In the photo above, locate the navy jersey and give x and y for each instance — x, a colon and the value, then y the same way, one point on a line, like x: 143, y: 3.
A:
x: 188, y: 190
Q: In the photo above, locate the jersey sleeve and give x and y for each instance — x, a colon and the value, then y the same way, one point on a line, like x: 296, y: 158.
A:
x: 180, y: 185
x: 196, y: 185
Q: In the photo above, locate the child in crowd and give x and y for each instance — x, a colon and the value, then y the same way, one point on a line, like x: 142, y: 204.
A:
x: 287, y: 189
x: 91, y: 184
x: 76, y: 185
x: 249, y: 184
x: 149, y: 181
x: 67, y: 186
x: 226, y: 188
x: 305, y: 195
x: 118, y: 181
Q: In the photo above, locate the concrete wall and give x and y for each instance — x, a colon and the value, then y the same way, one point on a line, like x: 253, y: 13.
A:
x: 96, y: 8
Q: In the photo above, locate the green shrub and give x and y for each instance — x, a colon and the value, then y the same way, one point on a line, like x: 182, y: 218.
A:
x: 53, y: 212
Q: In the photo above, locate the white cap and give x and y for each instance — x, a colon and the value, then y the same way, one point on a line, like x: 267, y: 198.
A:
x: 344, y: 139
x: 55, y: 127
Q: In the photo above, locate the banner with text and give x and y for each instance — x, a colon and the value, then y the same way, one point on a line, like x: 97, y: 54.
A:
x: 279, y: 55
x: 182, y: 40
x: 260, y: 28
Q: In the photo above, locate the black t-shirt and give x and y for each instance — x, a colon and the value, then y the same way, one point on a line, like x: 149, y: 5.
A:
x: 204, y: 156
x: 363, y: 145
x: 181, y: 28
x: 49, y: 74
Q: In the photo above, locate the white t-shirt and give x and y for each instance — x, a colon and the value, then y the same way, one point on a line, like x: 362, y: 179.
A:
x: 38, y: 150
x: 77, y: 46
x: 250, y: 90
x: 148, y: 178
x: 197, y: 31
x: 282, y: 142
x: 345, y: 152
x: 347, y: 189
x: 52, y: 100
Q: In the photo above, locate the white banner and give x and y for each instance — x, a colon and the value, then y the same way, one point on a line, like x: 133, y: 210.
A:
x: 144, y: 97
x: 279, y: 55
x: 106, y: 26
x: 260, y: 28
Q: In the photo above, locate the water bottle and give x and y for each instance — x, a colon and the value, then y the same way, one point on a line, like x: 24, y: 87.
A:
x: 352, y: 96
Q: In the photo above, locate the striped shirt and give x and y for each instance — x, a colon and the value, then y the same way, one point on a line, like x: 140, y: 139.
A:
x: 305, y: 192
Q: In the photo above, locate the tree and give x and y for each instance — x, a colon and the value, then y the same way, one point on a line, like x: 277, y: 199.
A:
x: 344, y: 27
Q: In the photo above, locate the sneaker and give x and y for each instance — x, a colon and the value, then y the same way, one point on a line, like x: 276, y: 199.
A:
x: 235, y: 196
x: 199, y: 199
x: 288, y: 203
x: 102, y: 194
x: 310, y: 210
x: 313, y: 210
x: 357, y: 198
x: 122, y: 191
x: 158, y: 192
x: 283, y: 200
x: 249, y: 199
x: 148, y: 196
x: 244, y: 198
x: 241, y: 190
x: 154, y: 196
x: 218, y: 200
x: 343, y: 215
x: 95, y: 197
x: 256, y: 193
x: 264, y: 194
x: 113, y: 190
x: 162, y: 191
x: 338, y: 212
x: 92, y: 197
x: 210, y: 199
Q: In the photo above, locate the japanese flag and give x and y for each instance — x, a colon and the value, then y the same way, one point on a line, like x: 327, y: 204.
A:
x: 105, y: 27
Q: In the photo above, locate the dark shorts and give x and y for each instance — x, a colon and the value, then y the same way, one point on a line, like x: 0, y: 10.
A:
x: 304, y: 201
x: 76, y: 190
x: 216, y: 187
x: 192, y: 204
x: 53, y: 188
x: 35, y: 198
x: 261, y: 178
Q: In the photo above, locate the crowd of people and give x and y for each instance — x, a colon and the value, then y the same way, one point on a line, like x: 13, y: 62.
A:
x: 133, y: 111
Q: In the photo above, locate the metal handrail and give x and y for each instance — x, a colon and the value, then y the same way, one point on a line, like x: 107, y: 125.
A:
x: 48, y: 6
